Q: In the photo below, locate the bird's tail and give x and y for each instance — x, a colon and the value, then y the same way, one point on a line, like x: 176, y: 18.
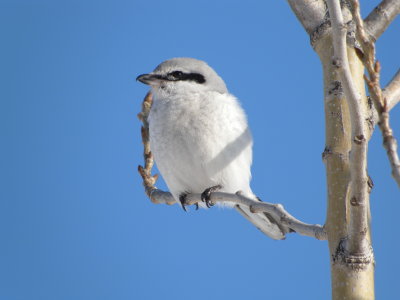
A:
x: 264, y: 222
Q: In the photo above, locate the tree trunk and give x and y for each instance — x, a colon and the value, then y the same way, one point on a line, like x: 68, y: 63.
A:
x: 351, y: 276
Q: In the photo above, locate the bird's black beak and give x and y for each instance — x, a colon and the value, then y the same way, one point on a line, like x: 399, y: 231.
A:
x: 149, y: 78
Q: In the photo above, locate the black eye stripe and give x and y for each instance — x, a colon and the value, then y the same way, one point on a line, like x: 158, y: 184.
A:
x: 195, y: 77
x: 178, y: 75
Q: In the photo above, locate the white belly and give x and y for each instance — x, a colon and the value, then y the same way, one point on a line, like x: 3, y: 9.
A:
x: 202, y: 144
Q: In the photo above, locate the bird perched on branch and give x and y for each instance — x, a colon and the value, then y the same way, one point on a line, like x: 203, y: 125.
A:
x: 199, y: 136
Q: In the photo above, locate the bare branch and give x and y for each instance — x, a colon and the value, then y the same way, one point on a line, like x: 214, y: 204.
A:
x: 381, y: 103
x: 311, y: 14
x: 145, y: 172
x: 275, y: 210
x: 392, y: 91
x: 160, y: 197
x: 381, y: 17
x: 358, y: 225
x: 390, y: 144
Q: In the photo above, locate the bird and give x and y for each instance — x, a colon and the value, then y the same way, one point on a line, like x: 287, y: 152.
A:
x: 200, y: 138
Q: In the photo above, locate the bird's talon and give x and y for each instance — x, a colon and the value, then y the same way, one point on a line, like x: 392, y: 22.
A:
x: 205, y: 196
x: 182, y: 200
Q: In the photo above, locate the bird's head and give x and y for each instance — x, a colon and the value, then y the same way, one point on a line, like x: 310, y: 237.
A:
x: 183, y: 75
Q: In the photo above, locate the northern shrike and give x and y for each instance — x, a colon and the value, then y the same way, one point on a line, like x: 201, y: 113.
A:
x: 199, y: 136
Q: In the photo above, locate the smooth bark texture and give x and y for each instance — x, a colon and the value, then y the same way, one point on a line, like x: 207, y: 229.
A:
x: 348, y: 281
x: 381, y: 17
x: 356, y: 242
x: 348, y: 130
x: 392, y: 91
x: 311, y: 14
x: 352, y: 274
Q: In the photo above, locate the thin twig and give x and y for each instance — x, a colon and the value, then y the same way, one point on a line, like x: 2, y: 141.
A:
x: 357, y: 242
x: 145, y: 172
x: 381, y: 103
x: 381, y: 17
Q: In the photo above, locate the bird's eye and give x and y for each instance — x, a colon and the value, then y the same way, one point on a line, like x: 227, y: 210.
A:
x: 176, y: 74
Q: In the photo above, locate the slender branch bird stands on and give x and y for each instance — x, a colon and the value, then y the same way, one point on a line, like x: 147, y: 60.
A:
x: 200, y: 138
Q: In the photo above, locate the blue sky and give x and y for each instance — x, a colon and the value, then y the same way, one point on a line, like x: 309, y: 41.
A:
x: 75, y: 223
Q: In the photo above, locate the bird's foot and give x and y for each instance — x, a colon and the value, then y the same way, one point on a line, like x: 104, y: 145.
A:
x: 205, y: 196
x: 182, y: 200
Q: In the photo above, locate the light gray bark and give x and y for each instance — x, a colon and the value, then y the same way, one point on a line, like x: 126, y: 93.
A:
x: 392, y: 91
x: 381, y: 17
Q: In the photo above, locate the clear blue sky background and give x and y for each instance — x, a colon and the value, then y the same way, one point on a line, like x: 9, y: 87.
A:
x: 75, y: 223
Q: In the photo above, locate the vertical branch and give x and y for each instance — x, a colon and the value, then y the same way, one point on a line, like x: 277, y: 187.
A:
x: 357, y: 243
x: 348, y: 282
x: 352, y: 265
x: 145, y: 171
x: 381, y: 103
